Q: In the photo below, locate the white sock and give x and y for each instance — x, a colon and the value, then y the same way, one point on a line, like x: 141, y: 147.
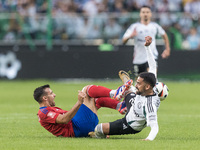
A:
x: 99, y: 131
x: 112, y: 93
x: 118, y: 105
x: 99, y: 128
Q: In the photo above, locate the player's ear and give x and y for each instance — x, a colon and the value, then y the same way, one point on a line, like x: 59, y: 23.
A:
x: 44, y: 98
x: 147, y: 86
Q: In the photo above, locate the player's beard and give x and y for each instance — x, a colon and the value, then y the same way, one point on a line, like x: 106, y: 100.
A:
x: 138, y: 92
x: 52, y: 104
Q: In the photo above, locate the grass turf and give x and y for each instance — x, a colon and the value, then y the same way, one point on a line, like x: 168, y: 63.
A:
x: 178, y: 117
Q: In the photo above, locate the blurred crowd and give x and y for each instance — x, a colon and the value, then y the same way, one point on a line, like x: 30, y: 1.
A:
x: 97, y: 19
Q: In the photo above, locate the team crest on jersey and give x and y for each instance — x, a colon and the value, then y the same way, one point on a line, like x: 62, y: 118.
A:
x: 51, y: 114
x: 139, y: 105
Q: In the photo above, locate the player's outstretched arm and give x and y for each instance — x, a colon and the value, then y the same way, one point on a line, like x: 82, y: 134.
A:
x: 153, y: 132
x: 150, y: 57
x: 151, y: 116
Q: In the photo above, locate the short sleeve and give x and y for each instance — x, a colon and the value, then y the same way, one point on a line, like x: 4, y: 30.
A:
x: 49, y: 117
x: 160, y: 30
x: 129, y: 31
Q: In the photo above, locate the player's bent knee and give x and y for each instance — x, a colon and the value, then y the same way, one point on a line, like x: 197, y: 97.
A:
x: 85, y: 89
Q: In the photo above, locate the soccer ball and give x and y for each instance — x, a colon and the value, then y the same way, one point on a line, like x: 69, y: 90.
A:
x: 162, y: 90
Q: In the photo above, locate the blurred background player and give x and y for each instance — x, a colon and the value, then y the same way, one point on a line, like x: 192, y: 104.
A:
x: 138, y: 31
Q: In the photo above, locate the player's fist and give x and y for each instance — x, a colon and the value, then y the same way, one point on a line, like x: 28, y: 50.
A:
x: 148, y: 40
x: 81, y: 96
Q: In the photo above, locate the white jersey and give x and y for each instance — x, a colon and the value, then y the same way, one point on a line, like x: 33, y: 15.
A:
x: 143, y: 111
x: 152, y: 29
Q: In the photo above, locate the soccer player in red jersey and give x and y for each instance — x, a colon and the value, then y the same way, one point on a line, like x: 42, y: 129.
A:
x: 82, y: 117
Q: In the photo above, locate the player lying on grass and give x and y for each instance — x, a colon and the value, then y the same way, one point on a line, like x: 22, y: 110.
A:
x: 82, y: 118
x: 142, y: 104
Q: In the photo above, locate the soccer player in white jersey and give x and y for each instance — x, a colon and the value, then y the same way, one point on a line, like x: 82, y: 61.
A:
x: 138, y: 31
x: 142, y: 105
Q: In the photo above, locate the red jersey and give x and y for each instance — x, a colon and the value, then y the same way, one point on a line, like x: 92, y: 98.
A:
x: 47, y: 118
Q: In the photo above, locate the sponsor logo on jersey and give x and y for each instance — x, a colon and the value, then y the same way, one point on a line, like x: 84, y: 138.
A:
x: 136, y: 114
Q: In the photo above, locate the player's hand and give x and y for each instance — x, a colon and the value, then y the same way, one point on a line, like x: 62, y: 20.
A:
x: 81, y: 96
x: 148, y: 40
x: 165, y: 54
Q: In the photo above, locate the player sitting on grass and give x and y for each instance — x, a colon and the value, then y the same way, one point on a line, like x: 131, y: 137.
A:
x: 142, y: 104
x: 82, y: 118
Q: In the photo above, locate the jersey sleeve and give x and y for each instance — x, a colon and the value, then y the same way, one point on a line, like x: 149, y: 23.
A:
x: 153, y: 132
x: 160, y: 30
x: 151, y: 116
x: 49, y: 117
x: 129, y: 31
x: 151, y: 61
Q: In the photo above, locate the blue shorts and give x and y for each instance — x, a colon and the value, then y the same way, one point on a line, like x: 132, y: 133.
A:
x: 84, y: 121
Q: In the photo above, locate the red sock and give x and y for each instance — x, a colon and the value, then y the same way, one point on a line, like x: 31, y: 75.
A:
x: 106, y: 102
x: 96, y: 91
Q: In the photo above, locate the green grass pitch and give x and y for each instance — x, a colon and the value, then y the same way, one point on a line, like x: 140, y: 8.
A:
x: 178, y: 118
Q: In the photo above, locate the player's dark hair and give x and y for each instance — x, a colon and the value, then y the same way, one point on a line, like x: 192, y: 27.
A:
x: 148, y: 78
x: 38, y: 92
x: 145, y: 6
